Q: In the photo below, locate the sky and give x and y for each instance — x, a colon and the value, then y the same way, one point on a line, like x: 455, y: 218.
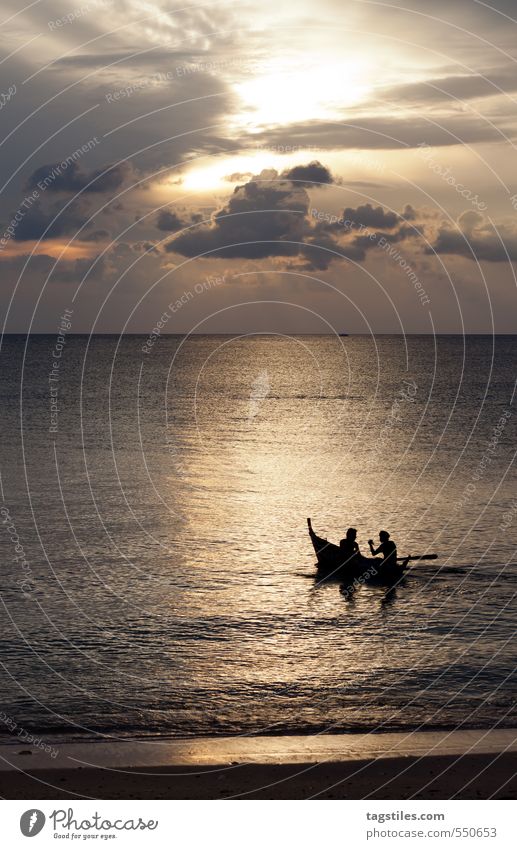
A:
x: 291, y: 167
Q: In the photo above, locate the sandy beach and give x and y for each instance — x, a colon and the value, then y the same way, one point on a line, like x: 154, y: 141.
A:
x: 420, y: 765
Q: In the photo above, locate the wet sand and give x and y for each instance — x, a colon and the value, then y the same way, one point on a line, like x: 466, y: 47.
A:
x: 421, y: 765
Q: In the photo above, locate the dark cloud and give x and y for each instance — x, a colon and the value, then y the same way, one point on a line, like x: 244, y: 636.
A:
x: 39, y: 223
x: 476, y: 240
x: 410, y: 213
x: 309, y: 175
x: 96, y: 236
x: 265, y: 217
x: 269, y: 217
x: 370, y: 216
x: 322, y: 250
x: 72, y: 179
x: 169, y: 222
x: 144, y: 247
x: 152, y: 59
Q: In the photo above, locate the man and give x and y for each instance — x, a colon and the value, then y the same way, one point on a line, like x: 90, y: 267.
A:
x: 349, y: 548
x: 387, y: 548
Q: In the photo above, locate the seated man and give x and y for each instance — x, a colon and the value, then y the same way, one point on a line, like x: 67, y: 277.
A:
x: 349, y: 548
x: 387, y: 548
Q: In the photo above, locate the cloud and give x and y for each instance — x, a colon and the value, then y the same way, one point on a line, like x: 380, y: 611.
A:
x: 492, y: 82
x: 96, y: 236
x: 410, y: 213
x: 73, y: 179
x: 239, y: 177
x: 169, y: 222
x: 37, y: 219
x: 144, y: 247
x: 476, y: 240
x: 369, y: 216
x: 308, y: 175
x: 265, y: 217
x: 381, y: 133
x: 95, y: 267
x: 269, y: 217
x: 150, y: 59
x: 470, y: 220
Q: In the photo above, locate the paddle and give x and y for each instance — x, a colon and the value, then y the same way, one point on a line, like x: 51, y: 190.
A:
x: 420, y: 557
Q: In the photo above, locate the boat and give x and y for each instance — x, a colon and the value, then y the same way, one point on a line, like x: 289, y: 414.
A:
x: 332, y: 566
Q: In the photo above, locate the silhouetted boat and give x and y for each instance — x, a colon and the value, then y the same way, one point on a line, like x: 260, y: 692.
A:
x: 333, y: 566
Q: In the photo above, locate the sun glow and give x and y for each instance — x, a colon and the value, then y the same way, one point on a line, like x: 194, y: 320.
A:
x: 55, y: 248
x: 292, y: 94
x: 282, y: 94
x: 229, y: 171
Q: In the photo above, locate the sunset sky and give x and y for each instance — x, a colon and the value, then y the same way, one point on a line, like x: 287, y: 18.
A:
x: 287, y: 167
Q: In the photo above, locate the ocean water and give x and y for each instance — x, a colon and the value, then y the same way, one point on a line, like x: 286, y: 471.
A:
x: 156, y: 573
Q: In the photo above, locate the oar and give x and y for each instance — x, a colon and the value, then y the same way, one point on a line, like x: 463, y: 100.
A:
x: 420, y: 557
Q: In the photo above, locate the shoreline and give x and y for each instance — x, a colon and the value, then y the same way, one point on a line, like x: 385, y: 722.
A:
x: 423, y: 765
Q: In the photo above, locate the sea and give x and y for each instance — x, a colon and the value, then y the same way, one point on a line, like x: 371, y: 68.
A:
x: 157, y: 578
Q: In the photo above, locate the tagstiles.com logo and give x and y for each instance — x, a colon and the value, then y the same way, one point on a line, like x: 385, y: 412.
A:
x: 31, y: 822
x: 66, y: 824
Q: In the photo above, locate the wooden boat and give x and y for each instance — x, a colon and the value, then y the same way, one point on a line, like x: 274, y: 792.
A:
x: 333, y: 566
